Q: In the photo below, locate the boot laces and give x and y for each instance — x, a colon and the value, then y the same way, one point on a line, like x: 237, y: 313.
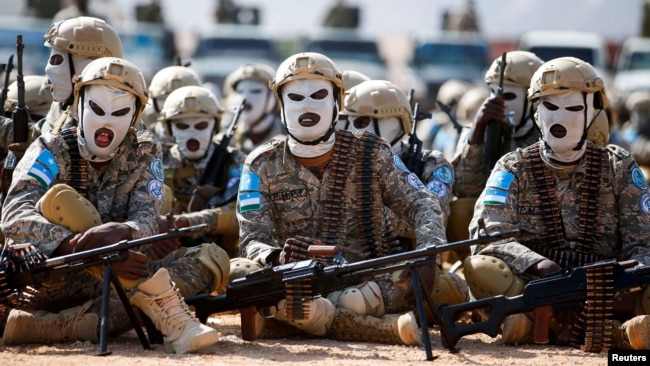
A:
x: 175, y: 311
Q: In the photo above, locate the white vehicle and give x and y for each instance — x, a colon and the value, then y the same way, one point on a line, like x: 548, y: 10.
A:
x: 587, y: 46
x: 632, y: 70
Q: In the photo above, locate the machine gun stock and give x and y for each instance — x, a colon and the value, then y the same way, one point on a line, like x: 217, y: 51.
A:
x: 557, y: 291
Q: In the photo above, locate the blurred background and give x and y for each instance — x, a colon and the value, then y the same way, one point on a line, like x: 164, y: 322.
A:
x: 417, y: 44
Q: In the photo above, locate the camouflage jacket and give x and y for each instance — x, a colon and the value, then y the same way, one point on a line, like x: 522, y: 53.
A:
x: 508, y: 203
x: 128, y: 189
x: 438, y: 177
x: 468, y: 163
x: 279, y: 199
x: 184, y: 176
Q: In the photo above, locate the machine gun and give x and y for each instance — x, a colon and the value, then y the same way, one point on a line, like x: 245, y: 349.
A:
x: 496, y: 134
x: 212, y: 181
x: 23, y: 267
x: 264, y: 288
x: 542, y: 296
x: 21, y: 124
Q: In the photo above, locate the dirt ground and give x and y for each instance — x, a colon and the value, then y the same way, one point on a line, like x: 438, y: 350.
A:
x: 232, y: 350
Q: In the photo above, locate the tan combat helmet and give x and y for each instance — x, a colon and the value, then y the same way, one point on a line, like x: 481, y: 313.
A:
x: 38, y: 96
x: 250, y: 71
x: 353, y: 78
x: 567, y: 74
x: 379, y: 99
x: 190, y: 102
x: 117, y: 73
x: 305, y: 66
x: 170, y: 78
x: 520, y: 67
x: 84, y: 37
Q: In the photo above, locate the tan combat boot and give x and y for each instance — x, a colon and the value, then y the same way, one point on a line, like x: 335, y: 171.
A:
x: 39, y: 326
x: 391, y: 328
x: 160, y: 300
x: 634, y: 333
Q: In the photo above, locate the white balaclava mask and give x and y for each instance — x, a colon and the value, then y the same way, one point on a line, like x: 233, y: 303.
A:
x: 58, y: 74
x: 309, y: 111
x: 193, y: 135
x: 105, y: 116
x: 562, y: 123
x: 260, y: 102
x: 389, y: 128
x: 516, y: 99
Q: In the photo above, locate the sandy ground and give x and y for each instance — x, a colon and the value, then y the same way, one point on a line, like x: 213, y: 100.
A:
x: 232, y: 350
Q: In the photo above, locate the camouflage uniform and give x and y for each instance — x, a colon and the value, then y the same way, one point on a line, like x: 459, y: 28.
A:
x: 279, y: 199
x: 626, y: 228
x: 468, y: 164
x: 438, y: 177
x: 128, y: 190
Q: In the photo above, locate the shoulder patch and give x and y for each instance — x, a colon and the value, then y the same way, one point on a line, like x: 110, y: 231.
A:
x: 644, y: 203
x: 44, y: 169
x: 414, y: 181
x: 157, y: 169
x: 155, y: 189
x: 438, y: 187
x: 250, y: 201
x: 500, y: 179
x: 399, y: 163
x: 444, y: 174
x: 249, y: 181
x: 638, y: 179
x: 495, y: 196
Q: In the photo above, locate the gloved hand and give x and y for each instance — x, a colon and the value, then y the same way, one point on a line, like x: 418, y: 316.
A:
x: 492, y: 109
x: 544, y: 268
x: 295, y: 250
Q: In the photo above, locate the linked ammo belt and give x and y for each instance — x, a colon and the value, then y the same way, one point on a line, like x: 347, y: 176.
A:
x: 78, y: 174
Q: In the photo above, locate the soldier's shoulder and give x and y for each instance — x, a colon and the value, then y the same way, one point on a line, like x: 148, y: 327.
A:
x: 141, y: 136
x: 265, y: 149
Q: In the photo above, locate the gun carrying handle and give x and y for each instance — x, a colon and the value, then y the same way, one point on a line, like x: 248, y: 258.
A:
x: 248, y: 323
x: 543, y: 315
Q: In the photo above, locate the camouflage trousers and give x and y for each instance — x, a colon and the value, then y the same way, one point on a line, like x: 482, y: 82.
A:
x: 75, y: 287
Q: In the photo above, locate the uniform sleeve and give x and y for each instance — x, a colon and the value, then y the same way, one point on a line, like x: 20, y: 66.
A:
x: 634, y: 211
x: 255, y: 214
x: 145, y: 198
x: 469, y: 177
x: 38, y: 170
x: 497, y: 206
x: 406, y: 195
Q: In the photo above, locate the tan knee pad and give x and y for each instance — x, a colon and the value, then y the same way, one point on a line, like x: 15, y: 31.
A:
x: 216, y: 260
x: 450, y: 289
x: 643, y: 303
x: 240, y: 267
x: 490, y: 276
x: 363, y: 299
x: 320, y: 315
x: 64, y: 206
x: 168, y: 200
x: 227, y: 223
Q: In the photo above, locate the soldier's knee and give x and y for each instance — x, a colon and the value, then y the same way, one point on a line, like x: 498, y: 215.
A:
x: 363, y: 299
x: 490, y: 276
x: 216, y: 260
x: 450, y: 289
x: 64, y: 206
x: 240, y: 267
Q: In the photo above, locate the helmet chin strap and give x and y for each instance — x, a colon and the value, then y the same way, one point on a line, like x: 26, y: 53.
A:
x: 583, y: 138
